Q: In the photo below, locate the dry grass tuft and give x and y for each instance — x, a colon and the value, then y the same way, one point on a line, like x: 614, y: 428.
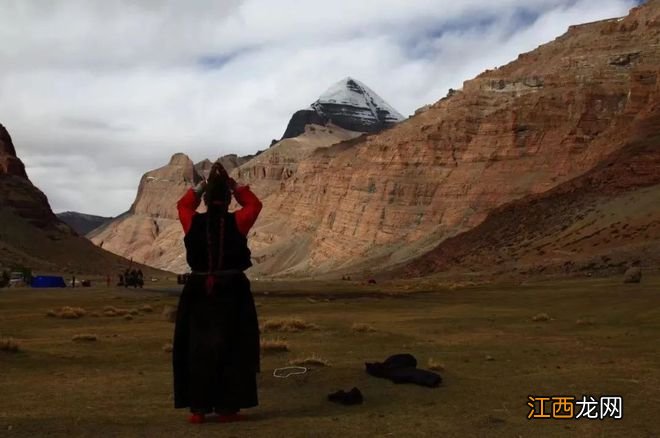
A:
x: 585, y: 321
x: 134, y: 312
x: 167, y: 348
x: 311, y: 361
x: 169, y: 313
x: 116, y: 311
x: 128, y: 317
x: 274, y: 346
x: 67, y: 312
x: 288, y: 325
x: 433, y: 365
x: 110, y: 311
x: 9, y: 345
x: 541, y: 317
x: 362, y: 328
x: 84, y: 338
x: 146, y: 308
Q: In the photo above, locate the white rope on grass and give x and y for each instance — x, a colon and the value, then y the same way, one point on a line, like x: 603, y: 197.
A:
x: 290, y: 371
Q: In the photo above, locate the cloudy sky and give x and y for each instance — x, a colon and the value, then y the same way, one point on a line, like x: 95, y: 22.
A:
x: 95, y: 93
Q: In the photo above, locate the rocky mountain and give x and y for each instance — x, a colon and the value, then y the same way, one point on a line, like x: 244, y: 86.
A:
x: 348, y: 104
x: 268, y: 171
x: 597, y: 223
x: 203, y: 168
x: 150, y: 231
x: 520, y: 130
x: 337, y: 200
x: 10, y: 164
x: 82, y: 223
x: 229, y: 162
x: 32, y: 236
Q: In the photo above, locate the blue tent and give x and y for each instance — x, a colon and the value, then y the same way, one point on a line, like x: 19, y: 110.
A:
x: 48, y: 281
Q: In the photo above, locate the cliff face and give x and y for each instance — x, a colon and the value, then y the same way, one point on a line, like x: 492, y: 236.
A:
x: 599, y: 222
x: 522, y: 129
x: 229, y: 162
x: 150, y: 231
x: 268, y: 172
x: 160, y: 189
x: 10, y: 164
x: 18, y: 193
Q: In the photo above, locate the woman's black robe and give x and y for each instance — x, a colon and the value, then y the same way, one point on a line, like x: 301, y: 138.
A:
x: 216, y: 338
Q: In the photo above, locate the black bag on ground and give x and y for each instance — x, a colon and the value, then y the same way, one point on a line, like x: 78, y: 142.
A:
x: 352, y: 397
x: 402, y: 368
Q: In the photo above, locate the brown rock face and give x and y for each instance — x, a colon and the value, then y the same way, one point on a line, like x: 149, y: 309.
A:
x: 18, y: 193
x: 203, y: 168
x: 268, y: 172
x: 596, y: 223
x: 10, y: 164
x: 229, y: 162
x: 160, y: 189
x: 522, y: 129
x: 150, y: 231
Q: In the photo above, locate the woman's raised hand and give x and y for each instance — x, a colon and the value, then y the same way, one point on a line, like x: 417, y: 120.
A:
x: 232, y: 183
x: 200, y: 187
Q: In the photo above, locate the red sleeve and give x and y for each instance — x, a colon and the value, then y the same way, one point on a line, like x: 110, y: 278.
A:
x: 187, y: 207
x: 246, y: 216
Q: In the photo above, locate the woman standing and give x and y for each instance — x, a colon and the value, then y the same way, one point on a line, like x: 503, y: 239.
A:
x: 216, y: 338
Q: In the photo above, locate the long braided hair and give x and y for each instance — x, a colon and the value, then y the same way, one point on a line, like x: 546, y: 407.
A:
x: 217, y: 198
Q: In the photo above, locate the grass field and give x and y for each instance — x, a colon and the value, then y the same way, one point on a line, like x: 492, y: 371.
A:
x: 491, y: 352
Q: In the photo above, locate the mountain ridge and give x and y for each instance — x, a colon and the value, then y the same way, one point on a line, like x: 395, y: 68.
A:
x: 521, y: 129
x: 82, y: 223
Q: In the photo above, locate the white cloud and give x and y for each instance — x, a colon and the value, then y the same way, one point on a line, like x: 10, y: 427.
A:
x: 96, y: 93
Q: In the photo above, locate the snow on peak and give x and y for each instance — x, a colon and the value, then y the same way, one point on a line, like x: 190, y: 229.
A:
x: 352, y: 92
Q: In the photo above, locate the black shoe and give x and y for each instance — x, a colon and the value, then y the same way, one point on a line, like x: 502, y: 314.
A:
x: 353, y: 397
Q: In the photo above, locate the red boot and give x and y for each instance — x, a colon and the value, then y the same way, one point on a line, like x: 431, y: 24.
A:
x: 196, y: 418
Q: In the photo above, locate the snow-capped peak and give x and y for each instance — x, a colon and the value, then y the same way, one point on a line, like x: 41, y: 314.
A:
x: 354, y: 93
x: 348, y: 104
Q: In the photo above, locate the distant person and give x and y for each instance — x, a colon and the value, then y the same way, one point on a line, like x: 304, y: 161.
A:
x: 127, y: 277
x: 134, y: 278
x: 216, y: 338
x: 4, y: 280
x: 140, y: 278
x: 73, y: 281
